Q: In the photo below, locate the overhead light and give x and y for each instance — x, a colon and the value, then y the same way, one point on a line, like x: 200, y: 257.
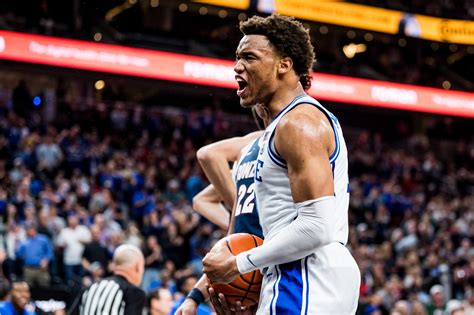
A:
x: 183, y: 7
x: 97, y: 37
x: 352, y: 49
x: 453, y: 48
x: 434, y: 46
x: 402, y: 42
x: 324, y: 29
x: 242, y: 17
x: 222, y: 13
x: 99, y: 85
x: 446, y: 85
x: 368, y: 37
x: 154, y: 3
x: 203, y: 10
x: 351, y: 34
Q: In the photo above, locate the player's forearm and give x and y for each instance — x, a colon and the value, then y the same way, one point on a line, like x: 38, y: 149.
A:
x: 312, y: 229
x: 216, y: 169
x: 214, y: 212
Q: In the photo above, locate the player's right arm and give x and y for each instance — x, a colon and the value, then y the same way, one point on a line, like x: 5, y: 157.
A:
x: 214, y: 159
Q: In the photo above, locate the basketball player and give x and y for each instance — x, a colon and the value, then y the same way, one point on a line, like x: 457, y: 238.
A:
x: 237, y: 192
x: 301, y: 181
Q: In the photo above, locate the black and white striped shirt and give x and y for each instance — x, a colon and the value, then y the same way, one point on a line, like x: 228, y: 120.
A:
x: 112, y: 296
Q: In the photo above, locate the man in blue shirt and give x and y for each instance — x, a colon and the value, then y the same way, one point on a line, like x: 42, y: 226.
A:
x: 20, y: 297
x: 36, y: 252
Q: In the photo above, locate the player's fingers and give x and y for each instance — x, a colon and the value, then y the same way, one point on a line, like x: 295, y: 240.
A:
x: 214, y: 300
x: 225, y: 308
x: 239, y: 309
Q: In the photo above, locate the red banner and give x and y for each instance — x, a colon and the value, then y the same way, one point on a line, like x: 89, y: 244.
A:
x: 214, y: 72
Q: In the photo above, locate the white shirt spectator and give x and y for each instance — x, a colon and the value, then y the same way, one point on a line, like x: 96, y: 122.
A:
x: 73, y: 240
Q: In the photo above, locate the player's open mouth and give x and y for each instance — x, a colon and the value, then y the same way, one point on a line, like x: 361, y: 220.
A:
x: 242, y: 86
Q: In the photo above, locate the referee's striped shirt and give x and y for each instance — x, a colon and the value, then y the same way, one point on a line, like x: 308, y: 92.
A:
x: 112, y: 296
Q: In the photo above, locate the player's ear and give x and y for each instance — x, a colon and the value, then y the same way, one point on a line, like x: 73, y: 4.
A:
x: 285, y: 65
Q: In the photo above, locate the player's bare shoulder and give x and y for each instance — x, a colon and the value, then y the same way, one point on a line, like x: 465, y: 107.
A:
x: 304, y: 127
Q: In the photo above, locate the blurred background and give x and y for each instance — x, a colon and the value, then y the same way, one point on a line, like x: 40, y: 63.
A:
x: 103, y: 105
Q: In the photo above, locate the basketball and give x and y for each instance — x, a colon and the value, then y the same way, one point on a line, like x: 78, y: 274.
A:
x: 245, y: 288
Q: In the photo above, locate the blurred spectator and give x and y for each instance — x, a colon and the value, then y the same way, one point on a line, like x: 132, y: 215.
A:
x: 4, y: 289
x: 21, y: 99
x: 454, y: 307
x: 95, y: 253
x: 36, y: 252
x: 160, y: 302
x: 49, y: 155
x: 186, y: 285
x: 437, y: 305
x: 72, y: 239
x: 154, y: 261
x: 20, y: 298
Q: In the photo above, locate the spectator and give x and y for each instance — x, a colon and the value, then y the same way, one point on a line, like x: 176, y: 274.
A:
x: 160, y: 302
x: 154, y: 261
x: 20, y: 297
x: 95, y: 252
x: 4, y: 289
x: 49, y: 155
x: 438, y: 303
x: 21, y: 99
x: 72, y: 239
x: 36, y: 252
x: 186, y: 285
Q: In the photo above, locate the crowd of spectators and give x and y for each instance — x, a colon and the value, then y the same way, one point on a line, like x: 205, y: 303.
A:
x: 74, y: 189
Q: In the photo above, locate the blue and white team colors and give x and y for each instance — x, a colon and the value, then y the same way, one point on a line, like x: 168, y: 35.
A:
x: 327, y: 281
x: 243, y: 173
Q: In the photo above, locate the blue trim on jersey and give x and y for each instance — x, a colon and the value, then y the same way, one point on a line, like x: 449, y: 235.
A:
x: 274, y: 290
x: 274, y: 159
x: 335, y: 154
x: 275, y: 154
x: 307, y: 284
x: 290, y: 289
x: 291, y: 103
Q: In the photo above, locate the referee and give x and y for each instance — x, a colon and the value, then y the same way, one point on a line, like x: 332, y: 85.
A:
x: 118, y: 294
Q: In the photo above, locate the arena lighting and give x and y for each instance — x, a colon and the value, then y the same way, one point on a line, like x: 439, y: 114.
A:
x: 99, y: 85
x: 137, y: 62
x: 37, y: 101
x: 352, y: 49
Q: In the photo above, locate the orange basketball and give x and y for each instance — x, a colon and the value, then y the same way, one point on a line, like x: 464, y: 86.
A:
x: 245, y: 288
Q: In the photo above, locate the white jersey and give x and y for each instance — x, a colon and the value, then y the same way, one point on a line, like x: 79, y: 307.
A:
x: 326, y: 282
x: 273, y: 186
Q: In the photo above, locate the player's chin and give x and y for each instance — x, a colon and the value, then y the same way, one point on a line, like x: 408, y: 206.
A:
x: 246, y: 102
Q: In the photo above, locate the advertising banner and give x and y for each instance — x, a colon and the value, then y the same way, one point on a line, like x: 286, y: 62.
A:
x: 129, y: 61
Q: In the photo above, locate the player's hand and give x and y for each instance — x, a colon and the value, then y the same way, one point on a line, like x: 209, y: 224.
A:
x: 222, y: 308
x: 220, y: 266
x: 188, y: 307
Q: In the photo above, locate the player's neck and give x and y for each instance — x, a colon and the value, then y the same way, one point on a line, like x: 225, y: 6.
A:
x: 282, y: 98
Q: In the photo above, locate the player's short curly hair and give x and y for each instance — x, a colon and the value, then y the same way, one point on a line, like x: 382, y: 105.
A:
x: 289, y: 37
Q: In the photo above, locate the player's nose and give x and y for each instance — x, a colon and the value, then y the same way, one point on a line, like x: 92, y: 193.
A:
x: 238, y: 67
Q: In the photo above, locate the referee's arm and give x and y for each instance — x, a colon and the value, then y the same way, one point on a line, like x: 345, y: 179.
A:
x: 74, y: 309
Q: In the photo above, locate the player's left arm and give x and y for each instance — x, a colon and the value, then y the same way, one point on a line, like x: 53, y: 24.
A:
x: 305, y: 139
